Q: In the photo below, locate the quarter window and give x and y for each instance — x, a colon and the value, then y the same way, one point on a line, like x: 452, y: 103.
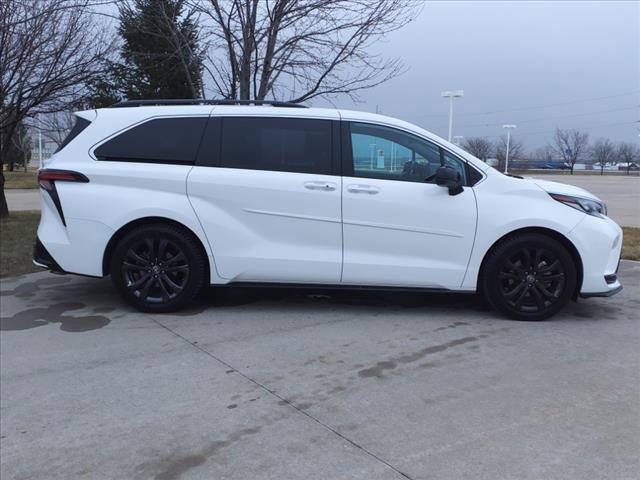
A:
x: 276, y: 144
x: 162, y: 140
x: 390, y: 154
x: 77, y: 129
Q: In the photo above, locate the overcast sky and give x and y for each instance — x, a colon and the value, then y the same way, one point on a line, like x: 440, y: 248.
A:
x: 509, y: 56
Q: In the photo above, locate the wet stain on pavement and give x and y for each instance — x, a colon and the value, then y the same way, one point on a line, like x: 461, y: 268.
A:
x: 303, y: 405
x: 174, y: 466
x: 37, y: 317
x: 377, y: 371
x: 336, y: 389
x: 451, y: 325
x: 29, y: 289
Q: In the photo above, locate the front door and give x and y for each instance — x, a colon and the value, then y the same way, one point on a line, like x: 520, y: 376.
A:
x: 399, y: 228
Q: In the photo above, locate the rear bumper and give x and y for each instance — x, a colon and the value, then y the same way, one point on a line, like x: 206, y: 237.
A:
x: 42, y: 258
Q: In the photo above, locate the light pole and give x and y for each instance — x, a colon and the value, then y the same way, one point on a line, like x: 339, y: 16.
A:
x: 506, y: 158
x: 451, y: 94
x: 372, y: 146
x: 40, y: 148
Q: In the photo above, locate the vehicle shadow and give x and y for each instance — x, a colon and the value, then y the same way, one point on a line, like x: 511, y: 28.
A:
x: 243, y: 296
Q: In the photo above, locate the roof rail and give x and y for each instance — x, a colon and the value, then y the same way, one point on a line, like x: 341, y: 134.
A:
x: 176, y: 101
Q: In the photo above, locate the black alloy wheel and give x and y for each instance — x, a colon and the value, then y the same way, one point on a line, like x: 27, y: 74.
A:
x: 155, y: 270
x: 529, y: 277
x: 159, y: 268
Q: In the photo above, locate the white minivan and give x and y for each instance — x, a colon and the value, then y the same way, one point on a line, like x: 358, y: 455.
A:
x: 170, y: 196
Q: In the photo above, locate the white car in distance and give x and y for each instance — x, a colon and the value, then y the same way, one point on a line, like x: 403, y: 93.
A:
x: 170, y: 196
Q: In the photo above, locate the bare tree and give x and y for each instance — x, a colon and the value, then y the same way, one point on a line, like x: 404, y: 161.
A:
x: 479, y: 147
x: 297, y: 50
x: 629, y: 153
x: 603, y: 152
x: 544, y: 154
x: 55, y: 126
x: 22, y: 144
x: 570, y: 145
x: 49, y: 50
x: 516, y: 151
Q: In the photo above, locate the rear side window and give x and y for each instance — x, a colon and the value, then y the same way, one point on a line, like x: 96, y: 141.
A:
x: 278, y: 144
x: 79, y: 126
x: 163, y: 140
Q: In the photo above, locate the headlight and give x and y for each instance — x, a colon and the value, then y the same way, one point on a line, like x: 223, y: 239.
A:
x: 586, y: 205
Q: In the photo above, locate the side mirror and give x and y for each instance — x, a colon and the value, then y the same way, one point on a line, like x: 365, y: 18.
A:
x: 449, y: 178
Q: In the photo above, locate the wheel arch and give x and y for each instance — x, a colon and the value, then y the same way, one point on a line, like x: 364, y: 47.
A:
x: 128, y: 227
x: 568, y: 244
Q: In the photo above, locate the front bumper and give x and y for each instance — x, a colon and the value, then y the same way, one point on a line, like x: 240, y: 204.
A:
x: 599, y: 244
x: 608, y: 293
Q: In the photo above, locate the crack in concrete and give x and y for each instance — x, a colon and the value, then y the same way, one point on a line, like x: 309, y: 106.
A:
x: 284, y: 401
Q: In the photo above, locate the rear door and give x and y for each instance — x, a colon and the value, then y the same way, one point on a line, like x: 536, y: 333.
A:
x: 400, y: 229
x: 266, y: 193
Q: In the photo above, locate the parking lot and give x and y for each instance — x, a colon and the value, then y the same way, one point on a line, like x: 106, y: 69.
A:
x: 621, y: 193
x: 296, y: 384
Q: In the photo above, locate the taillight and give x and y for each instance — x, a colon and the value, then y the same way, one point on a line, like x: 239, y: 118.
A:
x: 47, y: 178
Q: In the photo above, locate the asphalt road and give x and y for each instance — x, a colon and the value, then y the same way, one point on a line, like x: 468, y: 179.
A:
x: 620, y: 192
x: 281, y: 384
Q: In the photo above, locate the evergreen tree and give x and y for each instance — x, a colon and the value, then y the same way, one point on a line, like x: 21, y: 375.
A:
x: 105, y: 91
x: 160, y: 53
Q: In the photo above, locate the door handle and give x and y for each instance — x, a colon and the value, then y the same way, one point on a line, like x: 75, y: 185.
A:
x: 326, y: 186
x: 370, y: 189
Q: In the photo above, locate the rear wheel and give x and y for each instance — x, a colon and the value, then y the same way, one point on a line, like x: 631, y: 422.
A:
x: 529, y: 277
x: 158, y: 268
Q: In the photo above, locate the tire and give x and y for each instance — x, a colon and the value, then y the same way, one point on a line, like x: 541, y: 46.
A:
x: 529, y: 276
x: 158, y: 268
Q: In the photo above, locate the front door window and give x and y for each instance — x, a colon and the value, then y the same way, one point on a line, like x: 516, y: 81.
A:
x: 390, y: 154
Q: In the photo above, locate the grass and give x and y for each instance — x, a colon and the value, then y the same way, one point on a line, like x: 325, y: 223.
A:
x: 20, y: 179
x: 17, y: 236
x: 631, y: 244
x: 18, y: 233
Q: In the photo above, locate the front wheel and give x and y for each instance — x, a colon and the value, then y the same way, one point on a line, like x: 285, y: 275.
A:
x: 158, y: 268
x: 529, y: 277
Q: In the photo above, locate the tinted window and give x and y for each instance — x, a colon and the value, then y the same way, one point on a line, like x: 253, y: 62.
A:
x: 278, y: 144
x: 390, y: 154
x: 164, y: 140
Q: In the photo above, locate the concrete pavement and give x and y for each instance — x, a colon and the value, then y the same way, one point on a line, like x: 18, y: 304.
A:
x: 288, y: 384
x: 23, y: 199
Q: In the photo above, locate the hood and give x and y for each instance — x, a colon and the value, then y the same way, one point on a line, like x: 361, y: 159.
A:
x: 562, y: 188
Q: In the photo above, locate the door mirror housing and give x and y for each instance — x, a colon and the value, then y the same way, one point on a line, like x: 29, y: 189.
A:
x: 450, y: 178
